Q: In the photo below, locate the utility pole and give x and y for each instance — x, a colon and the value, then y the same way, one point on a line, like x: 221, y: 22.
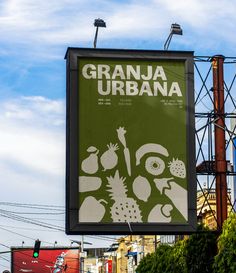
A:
x: 82, y: 252
x: 219, y: 126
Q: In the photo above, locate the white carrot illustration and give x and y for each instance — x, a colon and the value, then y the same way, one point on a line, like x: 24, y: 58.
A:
x: 121, y: 135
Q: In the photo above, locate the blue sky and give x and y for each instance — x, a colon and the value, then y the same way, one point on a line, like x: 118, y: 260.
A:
x: 34, y: 39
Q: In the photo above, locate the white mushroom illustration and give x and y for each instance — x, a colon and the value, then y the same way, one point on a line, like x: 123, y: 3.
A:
x: 160, y: 214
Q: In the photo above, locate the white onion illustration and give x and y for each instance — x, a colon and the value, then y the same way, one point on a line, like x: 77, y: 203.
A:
x: 109, y: 158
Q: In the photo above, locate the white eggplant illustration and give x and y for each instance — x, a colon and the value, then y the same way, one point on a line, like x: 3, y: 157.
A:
x: 121, y: 135
x: 109, y: 158
x: 160, y: 214
x: 179, y: 196
x: 141, y: 188
x: 89, y: 183
x: 124, y: 209
x: 150, y: 148
x: 177, y: 168
x: 90, y: 164
x: 154, y: 165
x: 91, y: 210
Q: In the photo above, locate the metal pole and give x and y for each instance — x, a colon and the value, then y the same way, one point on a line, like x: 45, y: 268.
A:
x: 95, y: 38
x: 220, y: 154
x: 82, y: 252
x: 167, y: 43
x: 155, y: 242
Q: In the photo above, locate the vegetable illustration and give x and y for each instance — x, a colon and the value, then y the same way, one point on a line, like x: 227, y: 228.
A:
x: 156, y: 214
x: 162, y: 183
x: 124, y: 209
x: 150, y: 148
x: 109, y: 159
x: 90, y: 164
x: 154, y: 165
x: 89, y: 183
x: 178, y: 195
x: 166, y: 210
x: 177, y: 168
x: 92, y: 149
x: 121, y: 135
x: 91, y: 210
x: 141, y: 188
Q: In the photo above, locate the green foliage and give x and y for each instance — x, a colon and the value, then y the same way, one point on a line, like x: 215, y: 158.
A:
x: 162, y: 260
x: 146, y: 264
x: 200, y: 250
x: 166, y: 259
x: 225, y: 261
x: 197, y: 254
x: 179, y: 261
x: 194, y: 255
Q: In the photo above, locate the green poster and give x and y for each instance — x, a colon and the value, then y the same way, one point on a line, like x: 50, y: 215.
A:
x: 132, y: 135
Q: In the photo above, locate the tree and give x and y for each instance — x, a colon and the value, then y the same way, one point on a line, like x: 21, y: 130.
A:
x: 225, y: 260
x: 158, y: 262
x: 200, y: 250
x: 166, y: 259
x: 179, y: 257
x: 194, y: 255
x: 162, y: 259
x: 145, y: 264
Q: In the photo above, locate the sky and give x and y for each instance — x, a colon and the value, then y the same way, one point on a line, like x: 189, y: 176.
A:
x: 34, y: 38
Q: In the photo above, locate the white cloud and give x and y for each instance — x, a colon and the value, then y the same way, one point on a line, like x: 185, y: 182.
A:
x: 32, y: 134
x: 40, y: 24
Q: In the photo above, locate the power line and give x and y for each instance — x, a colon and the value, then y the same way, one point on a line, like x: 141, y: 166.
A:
x: 25, y: 228
x: 4, y: 265
x: 16, y: 233
x: 4, y: 245
x: 40, y: 213
x: 33, y: 206
x: 29, y: 221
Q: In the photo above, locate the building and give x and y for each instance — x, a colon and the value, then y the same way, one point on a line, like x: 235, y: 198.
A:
x: 132, y: 249
x: 206, y: 207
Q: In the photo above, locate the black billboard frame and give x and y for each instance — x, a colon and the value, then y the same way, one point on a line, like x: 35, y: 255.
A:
x: 73, y: 227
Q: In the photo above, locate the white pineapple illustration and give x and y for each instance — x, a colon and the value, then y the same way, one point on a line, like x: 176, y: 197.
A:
x: 124, y: 209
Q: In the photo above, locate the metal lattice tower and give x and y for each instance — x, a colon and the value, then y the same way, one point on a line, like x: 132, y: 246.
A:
x: 215, y: 121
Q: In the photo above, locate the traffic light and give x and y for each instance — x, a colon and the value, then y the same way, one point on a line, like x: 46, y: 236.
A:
x: 36, y: 248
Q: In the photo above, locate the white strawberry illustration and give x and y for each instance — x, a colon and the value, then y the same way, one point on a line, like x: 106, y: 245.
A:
x: 177, y: 168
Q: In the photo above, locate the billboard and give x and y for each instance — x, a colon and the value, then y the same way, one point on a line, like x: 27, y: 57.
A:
x: 50, y: 260
x: 130, y: 142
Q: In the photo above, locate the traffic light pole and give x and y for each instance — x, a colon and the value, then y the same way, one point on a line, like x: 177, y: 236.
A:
x: 220, y: 153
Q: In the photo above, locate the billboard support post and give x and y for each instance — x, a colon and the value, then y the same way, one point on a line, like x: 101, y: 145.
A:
x: 220, y: 154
